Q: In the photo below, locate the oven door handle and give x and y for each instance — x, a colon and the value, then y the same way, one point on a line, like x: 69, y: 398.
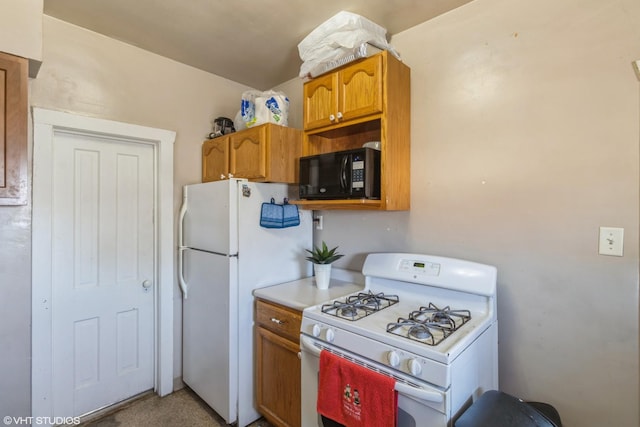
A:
x: 419, y: 393
x: 307, y: 344
x: 416, y: 393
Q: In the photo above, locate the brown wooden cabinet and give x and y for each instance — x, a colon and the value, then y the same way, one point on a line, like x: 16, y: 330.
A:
x: 265, y: 153
x: 277, y: 381
x: 13, y: 130
x: 370, y: 100
x: 347, y: 94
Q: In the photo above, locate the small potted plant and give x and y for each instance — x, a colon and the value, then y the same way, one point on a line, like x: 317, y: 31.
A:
x: 322, y: 257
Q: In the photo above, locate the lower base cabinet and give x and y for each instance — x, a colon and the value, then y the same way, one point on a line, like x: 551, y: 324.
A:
x: 278, y: 363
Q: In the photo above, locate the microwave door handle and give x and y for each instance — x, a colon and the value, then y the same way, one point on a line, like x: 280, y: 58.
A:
x: 343, y: 172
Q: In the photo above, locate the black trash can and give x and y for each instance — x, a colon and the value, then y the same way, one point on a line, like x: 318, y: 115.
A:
x: 497, y: 409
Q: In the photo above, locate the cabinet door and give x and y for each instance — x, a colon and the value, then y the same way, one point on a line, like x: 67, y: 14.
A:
x: 320, y: 101
x: 215, y: 159
x: 360, y: 89
x: 248, y: 153
x: 13, y: 130
x: 277, y: 378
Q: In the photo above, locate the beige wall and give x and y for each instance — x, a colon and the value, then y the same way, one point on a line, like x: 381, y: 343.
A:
x: 21, y: 35
x: 525, y: 132
x: 89, y: 74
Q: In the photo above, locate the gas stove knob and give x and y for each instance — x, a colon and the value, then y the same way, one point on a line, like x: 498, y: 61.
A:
x: 394, y: 358
x: 414, y: 367
x: 315, y: 330
x: 330, y: 335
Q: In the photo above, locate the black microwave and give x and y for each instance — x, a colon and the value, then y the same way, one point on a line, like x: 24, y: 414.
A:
x: 350, y: 174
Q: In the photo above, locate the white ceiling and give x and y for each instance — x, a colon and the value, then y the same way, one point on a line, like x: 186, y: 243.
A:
x: 250, y: 42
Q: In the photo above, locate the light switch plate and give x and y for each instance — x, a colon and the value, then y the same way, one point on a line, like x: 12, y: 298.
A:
x: 611, y: 241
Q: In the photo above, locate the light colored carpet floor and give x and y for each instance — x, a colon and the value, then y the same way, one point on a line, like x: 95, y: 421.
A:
x: 180, y: 408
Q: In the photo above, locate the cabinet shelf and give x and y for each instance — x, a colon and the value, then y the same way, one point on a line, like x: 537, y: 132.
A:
x: 350, y: 204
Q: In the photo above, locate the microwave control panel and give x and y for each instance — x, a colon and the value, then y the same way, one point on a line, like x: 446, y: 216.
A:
x: 357, y: 173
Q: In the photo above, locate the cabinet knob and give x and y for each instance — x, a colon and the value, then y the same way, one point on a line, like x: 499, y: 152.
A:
x: 332, y: 118
x: 339, y: 115
x: 278, y: 321
x: 222, y: 176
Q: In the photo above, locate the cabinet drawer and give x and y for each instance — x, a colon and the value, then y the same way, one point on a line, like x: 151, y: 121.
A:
x: 281, y: 320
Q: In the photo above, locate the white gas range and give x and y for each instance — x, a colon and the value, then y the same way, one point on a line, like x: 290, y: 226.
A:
x: 429, y: 322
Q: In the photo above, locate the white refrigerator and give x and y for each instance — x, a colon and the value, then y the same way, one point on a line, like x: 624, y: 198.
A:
x: 225, y: 254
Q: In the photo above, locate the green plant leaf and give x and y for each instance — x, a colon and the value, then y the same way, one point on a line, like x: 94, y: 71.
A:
x: 323, y: 255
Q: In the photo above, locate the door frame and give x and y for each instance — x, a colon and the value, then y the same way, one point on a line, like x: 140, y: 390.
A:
x: 45, y: 124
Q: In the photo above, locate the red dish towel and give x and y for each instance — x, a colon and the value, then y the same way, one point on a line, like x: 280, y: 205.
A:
x: 355, y: 396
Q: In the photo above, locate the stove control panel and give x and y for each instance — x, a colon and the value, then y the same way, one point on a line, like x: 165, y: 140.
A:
x: 329, y: 334
x: 405, y: 362
x: 414, y: 367
x: 420, y: 267
x: 410, y: 365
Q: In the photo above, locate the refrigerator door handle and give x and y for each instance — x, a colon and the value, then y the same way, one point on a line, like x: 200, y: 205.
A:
x: 181, y: 247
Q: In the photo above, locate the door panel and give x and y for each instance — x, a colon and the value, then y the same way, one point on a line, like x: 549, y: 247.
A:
x: 361, y: 89
x: 215, y: 159
x: 249, y: 153
x: 320, y: 101
x: 210, y: 330
x: 102, y: 253
x: 211, y: 217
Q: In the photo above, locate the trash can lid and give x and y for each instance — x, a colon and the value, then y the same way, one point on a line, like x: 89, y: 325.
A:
x: 497, y: 409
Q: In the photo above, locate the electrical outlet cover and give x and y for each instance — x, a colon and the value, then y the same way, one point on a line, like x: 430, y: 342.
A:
x: 611, y: 241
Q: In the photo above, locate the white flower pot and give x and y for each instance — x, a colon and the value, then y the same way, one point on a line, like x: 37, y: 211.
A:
x: 323, y: 275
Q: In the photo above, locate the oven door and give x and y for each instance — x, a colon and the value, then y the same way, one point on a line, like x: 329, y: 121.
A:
x: 419, y: 403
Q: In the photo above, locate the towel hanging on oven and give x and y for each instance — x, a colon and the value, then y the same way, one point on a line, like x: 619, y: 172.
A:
x: 273, y: 215
x: 353, y: 395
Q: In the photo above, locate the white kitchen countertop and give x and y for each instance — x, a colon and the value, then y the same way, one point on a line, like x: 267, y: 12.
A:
x: 303, y: 293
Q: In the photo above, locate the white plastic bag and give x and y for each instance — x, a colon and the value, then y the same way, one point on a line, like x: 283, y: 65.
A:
x: 258, y: 108
x: 344, y: 29
x: 338, y: 37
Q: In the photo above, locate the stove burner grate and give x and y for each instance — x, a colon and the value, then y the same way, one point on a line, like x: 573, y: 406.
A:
x: 442, y: 316
x: 357, y: 306
x: 430, y: 325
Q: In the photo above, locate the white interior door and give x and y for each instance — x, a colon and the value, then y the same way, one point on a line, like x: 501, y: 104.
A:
x: 48, y: 389
x: 102, y: 272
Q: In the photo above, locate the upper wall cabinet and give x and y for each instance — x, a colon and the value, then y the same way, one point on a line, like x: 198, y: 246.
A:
x: 347, y: 94
x: 364, y: 101
x: 265, y: 153
x: 13, y: 130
